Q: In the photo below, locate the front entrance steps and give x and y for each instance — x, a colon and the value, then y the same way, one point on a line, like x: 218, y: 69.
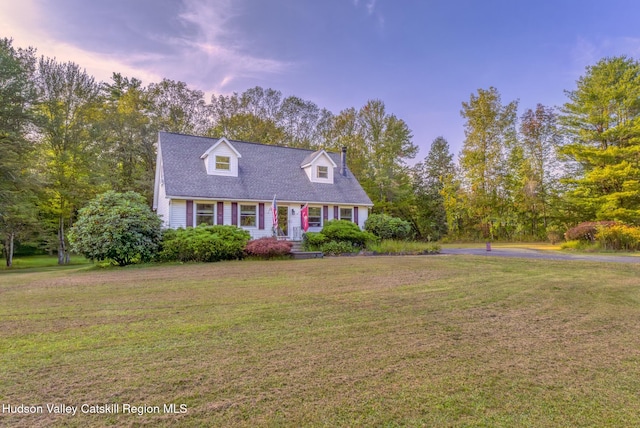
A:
x: 298, y: 253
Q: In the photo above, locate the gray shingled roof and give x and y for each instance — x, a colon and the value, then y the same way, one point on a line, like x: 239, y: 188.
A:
x: 263, y: 171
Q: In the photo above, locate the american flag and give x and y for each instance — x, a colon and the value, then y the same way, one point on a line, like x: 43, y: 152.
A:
x: 274, y: 212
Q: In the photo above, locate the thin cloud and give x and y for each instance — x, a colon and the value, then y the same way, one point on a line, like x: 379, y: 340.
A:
x: 220, y: 45
x: 203, y: 50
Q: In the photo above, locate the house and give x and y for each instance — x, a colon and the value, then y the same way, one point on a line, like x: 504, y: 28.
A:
x: 220, y: 181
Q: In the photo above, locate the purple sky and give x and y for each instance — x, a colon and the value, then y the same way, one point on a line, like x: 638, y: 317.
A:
x: 422, y: 58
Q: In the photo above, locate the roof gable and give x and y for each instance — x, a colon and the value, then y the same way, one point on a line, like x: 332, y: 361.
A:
x: 221, y: 141
x: 313, y: 158
x: 263, y: 171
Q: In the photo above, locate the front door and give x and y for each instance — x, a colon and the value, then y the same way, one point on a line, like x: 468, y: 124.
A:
x: 283, y: 221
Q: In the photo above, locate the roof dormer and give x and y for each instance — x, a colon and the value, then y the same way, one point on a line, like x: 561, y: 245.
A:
x: 221, y: 159
x: 319, y: 167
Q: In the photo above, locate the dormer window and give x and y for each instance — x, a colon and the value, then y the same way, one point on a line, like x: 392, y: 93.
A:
x: 223, y: 163
x: 221, y: 159
x: 323, y: 172
x: 319, y: 167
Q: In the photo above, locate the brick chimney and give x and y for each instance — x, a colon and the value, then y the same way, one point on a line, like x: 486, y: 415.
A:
x: 343, y: 162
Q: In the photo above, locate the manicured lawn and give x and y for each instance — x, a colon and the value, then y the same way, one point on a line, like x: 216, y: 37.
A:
x: 354, y: 341
x: 40, y: 262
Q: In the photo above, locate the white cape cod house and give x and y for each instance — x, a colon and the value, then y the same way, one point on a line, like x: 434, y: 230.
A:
x: 219, y: 181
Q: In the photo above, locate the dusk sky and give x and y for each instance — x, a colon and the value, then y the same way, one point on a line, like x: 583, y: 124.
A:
x: 422, y: 58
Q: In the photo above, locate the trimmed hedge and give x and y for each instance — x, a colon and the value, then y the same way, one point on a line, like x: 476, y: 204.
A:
x: 334, y: 248
x: 268, y: 247
x: 312, y: 241
x: 204, y: 244
x: 386, y: 227
x: 346, y: 231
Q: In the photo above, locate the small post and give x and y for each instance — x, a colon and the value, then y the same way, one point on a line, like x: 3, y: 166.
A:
x: 488, y: 246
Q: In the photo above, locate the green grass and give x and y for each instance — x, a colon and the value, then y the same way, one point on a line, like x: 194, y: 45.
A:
x: 355, y: 341
x: 391, y: 246
x: 40, y: 262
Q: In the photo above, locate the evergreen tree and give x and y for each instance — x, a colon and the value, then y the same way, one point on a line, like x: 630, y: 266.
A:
x: 602, y: 123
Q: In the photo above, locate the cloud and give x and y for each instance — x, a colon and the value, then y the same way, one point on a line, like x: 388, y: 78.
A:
x: 590, y: 51
x: 219, y: 45
x: 198, y: 45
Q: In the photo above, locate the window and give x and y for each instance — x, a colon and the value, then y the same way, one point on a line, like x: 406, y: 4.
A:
x: 223, y: 163
x: 248, y: 215
x: 315, y: 217
x: 204, y: 214
x: 323, y: 172
x: 345, y: 213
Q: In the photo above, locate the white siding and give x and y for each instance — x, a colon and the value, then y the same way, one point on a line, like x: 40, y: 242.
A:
x: 178, y: 216
x: 163, y: 205
x: 363, y: 214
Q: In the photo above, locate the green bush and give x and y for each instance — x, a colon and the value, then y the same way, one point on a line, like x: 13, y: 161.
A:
x: 268, y: 247
x: 619, y: 238
x: 579, y: 245
x: 204, y: 244
x: 335, y: 248
x: 346, y: 231
x: 119, y: 227
x: 386, y: 227
x: 312, y: 241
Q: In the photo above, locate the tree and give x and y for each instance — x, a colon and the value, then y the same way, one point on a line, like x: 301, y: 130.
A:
x: 540, y: 139
x: 176, y: 108
x: 17, y: 96
x: 69, y: 155
x: 601, y: 121
x: 429, y: 178
x: 263, y: 115
x: 128, y: 139
x: 378, y: 145
x: 117, y: 226
x: 490, y: 133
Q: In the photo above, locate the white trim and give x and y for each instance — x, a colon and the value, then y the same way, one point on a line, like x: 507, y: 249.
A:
x: 220, y: 141
x: 283, y: 201
x: 320, y: 153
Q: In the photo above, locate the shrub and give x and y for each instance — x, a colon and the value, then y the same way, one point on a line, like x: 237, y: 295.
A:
x: 312, y: 241
x: 386, y: 227
x: 554, y: 234
x: 119, y: 227
x: 580, y: 246
x: 619, y: 237
x: 268, y: 247
x: 335, y: 248
x: 346, y: 231
x: 204, y: 244
x: 586, y: 231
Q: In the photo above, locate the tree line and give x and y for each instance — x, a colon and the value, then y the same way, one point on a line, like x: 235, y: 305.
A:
x: 64, y: 138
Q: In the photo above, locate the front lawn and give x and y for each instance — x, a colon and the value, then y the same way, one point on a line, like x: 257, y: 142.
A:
x: 364, y: 341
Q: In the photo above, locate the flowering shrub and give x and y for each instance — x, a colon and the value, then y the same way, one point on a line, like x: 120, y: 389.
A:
x: 268, y: 248
x: 619, y: 237
x: 586, y: 231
